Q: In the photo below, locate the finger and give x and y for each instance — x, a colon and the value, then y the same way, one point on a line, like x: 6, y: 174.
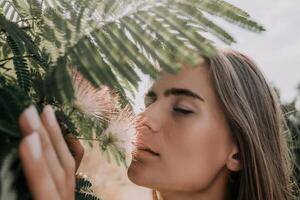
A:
x: 76, y: 149
x: 57, y: 140
x: 37, y: 173
x: 30, y: 122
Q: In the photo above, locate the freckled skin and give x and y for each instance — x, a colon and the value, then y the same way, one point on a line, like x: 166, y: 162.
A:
x: 195, y: 149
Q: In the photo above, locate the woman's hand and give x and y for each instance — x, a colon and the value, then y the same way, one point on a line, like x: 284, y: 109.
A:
x: 47, y: 162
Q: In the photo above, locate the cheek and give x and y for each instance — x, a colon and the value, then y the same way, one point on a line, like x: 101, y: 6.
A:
x: 196, y: 153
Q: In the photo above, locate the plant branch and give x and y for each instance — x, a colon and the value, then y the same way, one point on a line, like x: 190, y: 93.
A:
x: 2, y: 65
x: 25, y: 20
x: 10, y: 58
x: 90, y: 139
x: 72, y: 111
x: 5, y: 68
x: 290, y: 112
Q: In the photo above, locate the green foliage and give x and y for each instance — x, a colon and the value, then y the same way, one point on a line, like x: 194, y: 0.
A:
x: 13, y: 101
x: 292, y: 116
x: 112, y: 151
x: 292, y: 128
x: 83, y: 189
x: 79, y: 35
x: 9, y: 8
x: 21, y: 67
x: 11, y: 172
x: 58, y: 83
x: 106, y: 41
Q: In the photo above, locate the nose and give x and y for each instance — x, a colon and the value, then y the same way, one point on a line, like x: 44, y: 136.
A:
x: 151, y: 119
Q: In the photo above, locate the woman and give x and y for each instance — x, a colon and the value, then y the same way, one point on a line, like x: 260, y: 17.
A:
x: 214, y: 132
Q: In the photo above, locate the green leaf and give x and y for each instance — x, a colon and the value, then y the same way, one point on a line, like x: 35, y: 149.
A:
x: 20, y: 64
x: 7, y: 191
x: 9, y: 129
x: 116, y: 61
x: 149, y: 45
x: 204, y: 22
x: 130, y: 51
x: 12, y: 102
x: 224, y: 10
x: 35, y: 8
x: 21, y: 38
x: 189, y: 32
x: 83, y: 189
x: 11, y: 11
x: 12, y: 184
x: 178, y: 48
x: 58, y: 83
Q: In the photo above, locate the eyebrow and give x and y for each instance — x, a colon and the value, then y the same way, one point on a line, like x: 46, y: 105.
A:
x: 177, y: 92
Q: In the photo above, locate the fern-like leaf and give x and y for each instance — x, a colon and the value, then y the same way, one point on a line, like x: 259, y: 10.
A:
x: 83, y: 189
x: 12, y: 184
x: 224, y: 10
x: 12, y: 102
x: 205, y: 23
x: 58, y: 82
x: 159, y: 32
x: 11, y: 11
x: 20, y: 64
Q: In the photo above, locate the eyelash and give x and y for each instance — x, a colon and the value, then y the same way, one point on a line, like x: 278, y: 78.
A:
x: 175, y: 109
x: 182, y: 111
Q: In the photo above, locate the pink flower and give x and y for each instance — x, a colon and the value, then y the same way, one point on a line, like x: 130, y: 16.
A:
x: 121, y: 133
x: 96, y: 102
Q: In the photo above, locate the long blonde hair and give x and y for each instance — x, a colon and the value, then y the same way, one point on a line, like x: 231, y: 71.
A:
x: 257, y: 124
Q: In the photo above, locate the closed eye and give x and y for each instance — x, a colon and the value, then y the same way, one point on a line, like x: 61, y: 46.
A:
x: 182, y: 111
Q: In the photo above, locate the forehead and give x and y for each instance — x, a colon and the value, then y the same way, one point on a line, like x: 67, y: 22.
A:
x: 193, y: 78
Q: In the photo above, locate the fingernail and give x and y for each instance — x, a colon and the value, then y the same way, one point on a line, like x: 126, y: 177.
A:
x: 34, y: 145
x: 50, y: 116
x: 33, y: 117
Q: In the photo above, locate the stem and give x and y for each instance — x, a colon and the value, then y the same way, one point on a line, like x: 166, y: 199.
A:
x: 290, y: 112
x: 6, y: 68
x: 91, y: 139
x: 2, y: 65
x: 72, y: 111
x: 6, y: 59
x: 2, y: 31
x: 10, y: 58
x: 28, y: 19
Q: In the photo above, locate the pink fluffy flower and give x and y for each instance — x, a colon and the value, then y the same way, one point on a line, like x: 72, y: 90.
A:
x: 121, y: 133
x: 92, y: 101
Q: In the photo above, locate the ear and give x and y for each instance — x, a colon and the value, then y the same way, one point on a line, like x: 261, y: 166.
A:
x: 234, y: 162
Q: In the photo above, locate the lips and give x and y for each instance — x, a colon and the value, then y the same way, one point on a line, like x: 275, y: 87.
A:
x: 139, y: 143
x: 142, y: 147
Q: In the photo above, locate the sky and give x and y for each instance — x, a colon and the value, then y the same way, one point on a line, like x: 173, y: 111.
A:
x: 276, y: 51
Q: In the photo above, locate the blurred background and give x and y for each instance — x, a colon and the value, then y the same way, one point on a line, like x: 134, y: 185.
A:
x: 277, y: 52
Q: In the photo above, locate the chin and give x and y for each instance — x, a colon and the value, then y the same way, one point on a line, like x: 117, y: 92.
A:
x: 138, y: 176
x: 133, y: 173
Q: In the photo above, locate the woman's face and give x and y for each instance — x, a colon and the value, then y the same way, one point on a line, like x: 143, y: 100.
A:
x: 185, y: 125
